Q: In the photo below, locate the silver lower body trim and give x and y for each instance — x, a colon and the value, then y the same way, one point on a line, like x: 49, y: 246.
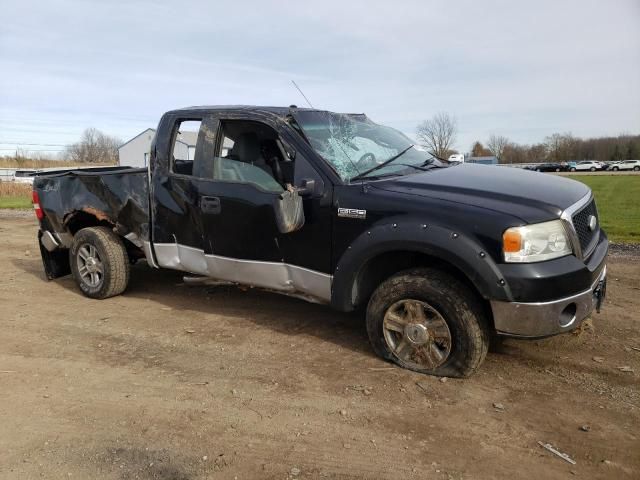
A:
x: 49, y: 241
x: 54, y: 240
x: 544, y: 319
x: 281, y: 277
x: 148, y: 253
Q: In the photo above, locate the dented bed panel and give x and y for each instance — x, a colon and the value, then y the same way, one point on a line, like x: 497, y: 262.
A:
x: 119, y: 197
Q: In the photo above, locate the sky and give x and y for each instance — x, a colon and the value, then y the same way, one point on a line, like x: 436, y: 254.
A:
x: 522, y: 69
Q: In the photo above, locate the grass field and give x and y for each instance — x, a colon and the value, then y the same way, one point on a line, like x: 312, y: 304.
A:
x: 618, y: 200
x: 15, y: 195
x: 25, y: 162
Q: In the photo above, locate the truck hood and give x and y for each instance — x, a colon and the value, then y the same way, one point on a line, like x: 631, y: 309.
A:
x: 531, y: 196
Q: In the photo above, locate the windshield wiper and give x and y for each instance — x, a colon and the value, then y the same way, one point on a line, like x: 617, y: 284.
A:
x: 379, y: 166
x: 421, y: 167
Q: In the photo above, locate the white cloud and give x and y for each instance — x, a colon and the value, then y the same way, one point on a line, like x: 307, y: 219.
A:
x: 520, y: 69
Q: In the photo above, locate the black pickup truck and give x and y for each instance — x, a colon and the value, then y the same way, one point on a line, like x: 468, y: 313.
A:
x: 337, y: 209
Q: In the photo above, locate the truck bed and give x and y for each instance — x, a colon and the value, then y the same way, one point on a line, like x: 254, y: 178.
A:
x: 116, y: 196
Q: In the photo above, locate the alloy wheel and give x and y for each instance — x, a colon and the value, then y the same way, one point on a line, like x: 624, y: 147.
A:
x: 417, y: 334
x: 90, y: 265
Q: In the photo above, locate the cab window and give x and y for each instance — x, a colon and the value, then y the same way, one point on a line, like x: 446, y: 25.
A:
x: 251, y: 152
x: 184, y: 142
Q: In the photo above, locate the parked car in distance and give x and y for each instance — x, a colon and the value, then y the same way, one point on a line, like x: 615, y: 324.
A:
x: 551, y: 167
x: 626, y: 165
x: 587, y: 165
x: 24, y: 176
x: 456, y: 157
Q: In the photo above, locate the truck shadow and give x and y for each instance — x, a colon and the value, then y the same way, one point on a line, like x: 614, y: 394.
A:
x: 287, y: 316
x: 241, y: 306
x: 283, y: 314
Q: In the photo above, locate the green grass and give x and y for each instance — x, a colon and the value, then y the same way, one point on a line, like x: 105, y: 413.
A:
x: 618, y: 200
x: 15, y: 201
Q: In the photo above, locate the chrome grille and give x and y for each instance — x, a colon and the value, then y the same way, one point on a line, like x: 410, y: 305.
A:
x: 580, y: 220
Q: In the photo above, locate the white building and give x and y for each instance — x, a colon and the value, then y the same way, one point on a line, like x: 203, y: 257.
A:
x: 135, y: 152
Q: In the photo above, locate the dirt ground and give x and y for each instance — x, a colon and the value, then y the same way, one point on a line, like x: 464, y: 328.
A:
x: 170, y: 381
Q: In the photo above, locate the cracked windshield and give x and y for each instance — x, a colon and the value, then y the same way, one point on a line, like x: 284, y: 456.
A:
x: 357, y: 148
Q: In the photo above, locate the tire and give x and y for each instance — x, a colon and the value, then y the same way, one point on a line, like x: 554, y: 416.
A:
x: 537, y: 169
x: 107, y: 273
x: 593, y: 169
x: 557, y: 169
x: 615, y: 169
x: 636, y: 168
x: 573, y: 169
x: 452, y: 308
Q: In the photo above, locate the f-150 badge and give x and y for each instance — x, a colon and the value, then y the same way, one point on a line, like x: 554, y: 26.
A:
x: 352, y: 213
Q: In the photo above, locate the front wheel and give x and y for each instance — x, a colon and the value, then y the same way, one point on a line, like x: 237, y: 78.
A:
x: 99, y: 262
x: 636, y: 169
x: 573, y: 169
x: 593, y: 169
x: 615, y: 169
x: 426, y: 320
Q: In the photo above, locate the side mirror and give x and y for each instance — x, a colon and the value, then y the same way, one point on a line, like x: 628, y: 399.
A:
x: 289, y: 211
x: 307, y: 188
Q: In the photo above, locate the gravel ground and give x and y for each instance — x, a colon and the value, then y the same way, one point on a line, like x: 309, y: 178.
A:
x: 177, y: 382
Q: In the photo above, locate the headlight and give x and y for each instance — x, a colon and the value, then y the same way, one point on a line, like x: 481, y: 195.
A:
x: 535, y: 243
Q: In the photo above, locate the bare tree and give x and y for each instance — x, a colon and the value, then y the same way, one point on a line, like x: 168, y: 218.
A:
x: 94, y: 147
x: 562, y: 147
x: 497, y: 144
x: 438, y: 134
x: 479, y: 150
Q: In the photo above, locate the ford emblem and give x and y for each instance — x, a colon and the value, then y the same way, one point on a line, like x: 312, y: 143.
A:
x: 593, y: 222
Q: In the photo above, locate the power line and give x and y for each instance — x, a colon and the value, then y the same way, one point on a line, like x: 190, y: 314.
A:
x: 36, y: 144
x: 32, y: 149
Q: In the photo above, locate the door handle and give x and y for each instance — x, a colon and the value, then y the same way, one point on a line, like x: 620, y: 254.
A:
x: 210, y: 204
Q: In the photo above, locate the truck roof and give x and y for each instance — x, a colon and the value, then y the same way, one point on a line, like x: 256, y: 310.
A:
x: 271, y: 109
x: 278, y: 111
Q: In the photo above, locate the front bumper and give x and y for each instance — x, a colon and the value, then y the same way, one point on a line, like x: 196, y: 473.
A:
x: 543, y: 319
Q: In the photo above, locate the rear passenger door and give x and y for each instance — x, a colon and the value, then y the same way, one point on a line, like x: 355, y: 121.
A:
x: 176, y: 220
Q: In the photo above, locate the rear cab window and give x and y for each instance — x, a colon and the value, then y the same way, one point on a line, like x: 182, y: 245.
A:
x: 183, y: 146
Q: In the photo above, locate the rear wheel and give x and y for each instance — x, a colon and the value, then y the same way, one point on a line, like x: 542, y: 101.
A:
x: 615, y: 169
x: 593, y: 169
x: 99, y: 262
x: 636, y: 168
x: 428, y: 321
x: 573, y: 169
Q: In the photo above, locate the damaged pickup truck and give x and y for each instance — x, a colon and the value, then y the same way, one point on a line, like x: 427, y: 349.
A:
x: 337, y: 209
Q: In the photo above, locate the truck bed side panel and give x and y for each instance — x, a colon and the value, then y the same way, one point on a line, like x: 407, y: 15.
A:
x: 119, y: 197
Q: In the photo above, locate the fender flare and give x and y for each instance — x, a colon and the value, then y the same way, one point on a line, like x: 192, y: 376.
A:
x: 412, y: 235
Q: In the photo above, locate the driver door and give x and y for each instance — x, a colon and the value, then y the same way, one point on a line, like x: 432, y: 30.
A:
x: 240, y: 188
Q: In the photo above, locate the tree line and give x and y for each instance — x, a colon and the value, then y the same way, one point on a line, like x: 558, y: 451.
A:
x: 438, y: 135
x: 93, y: 147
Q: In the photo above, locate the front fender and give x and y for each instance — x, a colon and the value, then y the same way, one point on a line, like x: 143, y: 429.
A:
x: 411, y: 235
